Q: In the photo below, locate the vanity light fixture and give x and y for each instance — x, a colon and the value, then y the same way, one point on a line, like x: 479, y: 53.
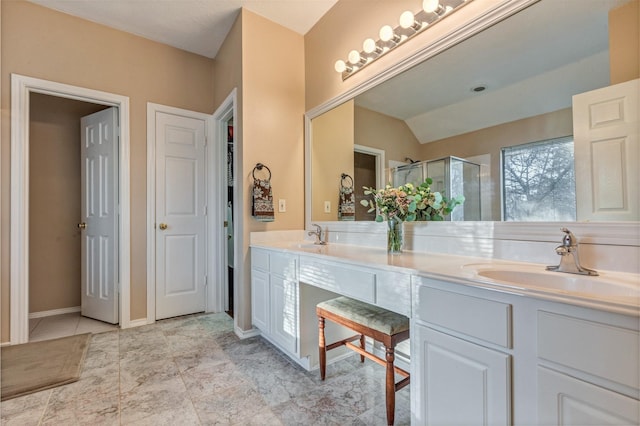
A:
x: 410, y: 24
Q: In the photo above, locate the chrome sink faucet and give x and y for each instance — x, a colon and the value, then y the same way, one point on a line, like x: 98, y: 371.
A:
x: 318, y: 233
x: 569, y: 260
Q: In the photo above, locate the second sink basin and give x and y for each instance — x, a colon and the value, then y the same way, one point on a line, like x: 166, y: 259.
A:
x: 605, y: 286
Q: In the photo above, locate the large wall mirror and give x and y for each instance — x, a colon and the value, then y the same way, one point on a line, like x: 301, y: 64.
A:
x: 498, y: 100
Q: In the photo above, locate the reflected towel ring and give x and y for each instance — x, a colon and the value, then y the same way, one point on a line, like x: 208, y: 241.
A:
x: 260, y: 166
x: 345, y: 176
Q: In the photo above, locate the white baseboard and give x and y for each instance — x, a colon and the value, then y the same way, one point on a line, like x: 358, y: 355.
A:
x: 53, y: 312
x: 245, y: 334
x: 138, y: 323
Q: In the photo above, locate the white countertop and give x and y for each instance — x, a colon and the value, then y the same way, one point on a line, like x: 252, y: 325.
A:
x: 610, y: 291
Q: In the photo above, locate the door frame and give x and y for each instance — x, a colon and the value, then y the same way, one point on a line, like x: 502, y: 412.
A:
x: 218, y: 162
x: 380, y: 162
x: 212, y: 285
x: 21, y: 88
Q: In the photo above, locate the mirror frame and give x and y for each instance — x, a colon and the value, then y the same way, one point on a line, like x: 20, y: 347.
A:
x: 500, y: 11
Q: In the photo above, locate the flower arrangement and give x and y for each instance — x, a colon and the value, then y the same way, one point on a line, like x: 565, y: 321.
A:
x: 410, y: 203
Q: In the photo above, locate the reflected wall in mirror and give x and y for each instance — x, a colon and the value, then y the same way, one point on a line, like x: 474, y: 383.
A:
x: 509, y: 85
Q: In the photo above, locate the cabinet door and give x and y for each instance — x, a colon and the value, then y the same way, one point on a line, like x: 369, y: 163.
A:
x: 260, y: 300
x: 564, y: 400
x: 284, y: 315
x: 455, y: 382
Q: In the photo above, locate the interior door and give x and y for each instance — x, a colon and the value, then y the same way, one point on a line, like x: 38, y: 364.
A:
x: 606, y: 143
x: 180, y: 215
x: 99, y: 217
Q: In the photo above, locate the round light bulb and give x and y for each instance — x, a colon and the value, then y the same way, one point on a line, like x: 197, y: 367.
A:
x: 407, y: 19
x: 354, y: 57
x: 430, y: 6
x: 369, y: 45
x: 340, y: 66
x: 386, y: 33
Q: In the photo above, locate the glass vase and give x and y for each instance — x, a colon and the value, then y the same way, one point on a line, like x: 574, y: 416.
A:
x: 395, y: 236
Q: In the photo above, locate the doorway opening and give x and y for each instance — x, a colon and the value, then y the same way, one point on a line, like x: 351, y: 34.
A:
x: 22, y: 89
x: 55, y: 213
x: 368, y: 170
x: 229, y: 217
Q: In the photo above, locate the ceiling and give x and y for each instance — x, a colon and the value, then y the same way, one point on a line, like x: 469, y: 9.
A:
x: 531, y: 64
x: 197, y: 26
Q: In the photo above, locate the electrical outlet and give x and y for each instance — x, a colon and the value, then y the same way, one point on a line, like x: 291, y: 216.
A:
x: 327, y: 206
x: 282, y: 205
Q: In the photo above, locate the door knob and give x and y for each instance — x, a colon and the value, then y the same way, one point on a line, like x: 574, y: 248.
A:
x: 162, y: 226
x: 82, y: 225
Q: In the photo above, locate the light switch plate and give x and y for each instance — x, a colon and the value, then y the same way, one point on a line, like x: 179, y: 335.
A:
x: 282, y: 205
x: 327, y: 206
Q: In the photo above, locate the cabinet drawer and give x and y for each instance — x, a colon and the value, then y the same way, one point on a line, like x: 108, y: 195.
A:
x: 349, y: 281
x: 260, y: 259
x: 599, y: 349
x: 484, y: 319
x: 283, y: 265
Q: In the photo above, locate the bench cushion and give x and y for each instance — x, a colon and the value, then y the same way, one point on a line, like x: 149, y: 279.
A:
x: 371, y: 316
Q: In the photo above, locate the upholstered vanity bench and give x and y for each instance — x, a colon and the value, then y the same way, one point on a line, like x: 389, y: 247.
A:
x: 382, y: 325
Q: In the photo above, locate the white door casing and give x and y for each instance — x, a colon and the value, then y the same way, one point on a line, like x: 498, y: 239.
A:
x: 607, y: 154
x: 180, y: 215
x: 99, y: 216
x: 21, y: 88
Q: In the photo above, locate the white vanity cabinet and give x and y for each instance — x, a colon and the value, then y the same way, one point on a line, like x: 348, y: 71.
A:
x: 588, y: 369
x: 460, y: 358
x: 274, y: 297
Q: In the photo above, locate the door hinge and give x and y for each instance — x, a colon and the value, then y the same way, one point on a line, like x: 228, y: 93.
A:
x: 206, y: 281
x: 206, y: 210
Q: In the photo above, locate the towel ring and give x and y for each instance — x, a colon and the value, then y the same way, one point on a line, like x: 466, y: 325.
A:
x: 260, y: 166
x: 345, y: 176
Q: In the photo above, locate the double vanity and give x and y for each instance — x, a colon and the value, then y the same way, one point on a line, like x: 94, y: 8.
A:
x: 492, y: 341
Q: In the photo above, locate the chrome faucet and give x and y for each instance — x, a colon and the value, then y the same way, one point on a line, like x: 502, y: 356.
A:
x: 569, y: 260
x: 318, y: 234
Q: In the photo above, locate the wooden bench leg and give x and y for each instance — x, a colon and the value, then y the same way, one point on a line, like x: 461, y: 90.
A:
x: 390, y: 387
x: 362, y: 346
x: 322, y: 348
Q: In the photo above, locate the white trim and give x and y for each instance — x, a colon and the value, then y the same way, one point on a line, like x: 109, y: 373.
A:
x: 493, y: 15
x: 152, y: 109
x: 380, y: 161
x: 227, y: 109
x: 21, y: 88
x: 54, y: 312
x: 139, y: 322
x: 245, y: 334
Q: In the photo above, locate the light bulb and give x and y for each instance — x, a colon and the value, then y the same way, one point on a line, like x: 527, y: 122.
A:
x: 340, y: 66
x: 369, y: 46
x: 354, y: 57
x: 386, y: 33
x: 430, y: 6
x: 407, y: 20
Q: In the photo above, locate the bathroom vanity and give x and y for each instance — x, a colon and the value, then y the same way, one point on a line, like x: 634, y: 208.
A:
x: 487, y: 347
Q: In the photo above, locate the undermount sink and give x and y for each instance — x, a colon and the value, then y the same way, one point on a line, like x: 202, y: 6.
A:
x: 606, y: 285
x: 307, y: 245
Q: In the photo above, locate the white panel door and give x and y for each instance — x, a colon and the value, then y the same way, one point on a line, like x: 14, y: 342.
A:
x: 180, y: 215
x: 99, y: 217
x: 607, y: 157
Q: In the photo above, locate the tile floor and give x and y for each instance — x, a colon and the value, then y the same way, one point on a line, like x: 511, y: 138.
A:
x: 195, y: 371
x: 63, y: 325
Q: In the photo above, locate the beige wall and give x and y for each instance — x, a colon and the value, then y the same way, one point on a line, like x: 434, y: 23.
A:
x: 54, y: 201
x: 331, y: 155
x: 273, y: 94
x: 624, y: 42
x: 492, y: 139
x: 390, y: 134
x: 46, y: 44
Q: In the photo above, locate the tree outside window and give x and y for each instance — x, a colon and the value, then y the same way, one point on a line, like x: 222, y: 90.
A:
x: 539, y: 181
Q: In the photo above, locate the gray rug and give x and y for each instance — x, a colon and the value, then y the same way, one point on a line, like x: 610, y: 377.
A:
x: 36, y: 366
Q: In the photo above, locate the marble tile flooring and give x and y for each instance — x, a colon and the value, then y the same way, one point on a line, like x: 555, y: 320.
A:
x: 195, y: 371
